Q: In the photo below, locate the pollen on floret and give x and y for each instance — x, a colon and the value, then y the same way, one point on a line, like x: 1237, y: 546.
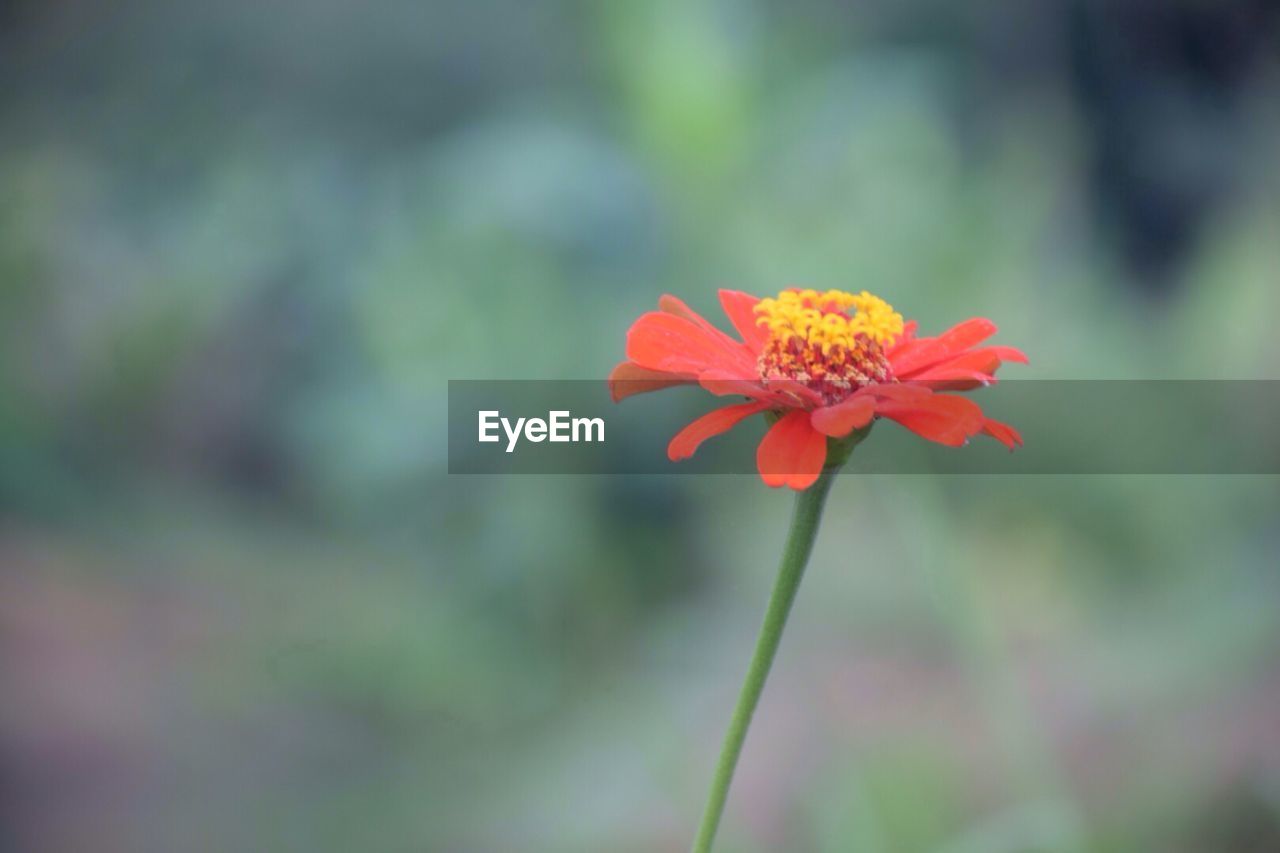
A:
x: 831, y: 341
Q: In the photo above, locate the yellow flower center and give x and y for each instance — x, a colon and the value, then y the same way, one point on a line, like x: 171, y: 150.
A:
x: 832, y: 342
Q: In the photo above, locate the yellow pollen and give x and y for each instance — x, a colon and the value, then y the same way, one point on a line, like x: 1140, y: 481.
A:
x: 832, y: 342
x: 833, y: 317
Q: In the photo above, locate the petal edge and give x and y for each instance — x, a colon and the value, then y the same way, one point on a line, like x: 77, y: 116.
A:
x: 684, y: 443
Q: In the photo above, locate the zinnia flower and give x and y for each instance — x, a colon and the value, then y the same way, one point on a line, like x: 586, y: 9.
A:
x: 821, y: 365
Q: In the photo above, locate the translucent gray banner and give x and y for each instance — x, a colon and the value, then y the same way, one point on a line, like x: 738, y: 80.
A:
x: 1069, y: 427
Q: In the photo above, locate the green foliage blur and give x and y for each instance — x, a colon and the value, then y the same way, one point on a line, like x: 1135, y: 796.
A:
x: 243, y: 247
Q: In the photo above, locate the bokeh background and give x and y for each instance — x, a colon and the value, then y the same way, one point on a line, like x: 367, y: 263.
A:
x: 244, y: 245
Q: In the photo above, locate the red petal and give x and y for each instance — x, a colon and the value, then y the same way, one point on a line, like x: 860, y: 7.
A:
x: 938, y: 417
x: 723, y: 384
x: 981, y: 360
x: 1003, y: 433
x: 972, y: 368
x: 954, y: 379
x: 916, y: 355
x: 967, y: 334
x: 843, y: 418
x: 676, y: 306
x: 686, y: 441
x: 900, y: 391
x: 792, y: 452
x: 675, y: 344
x: 912, y: 358
x: 629, y: 378
x: 739, y: 307
x: 1009, y: 354
x: 795, y: 394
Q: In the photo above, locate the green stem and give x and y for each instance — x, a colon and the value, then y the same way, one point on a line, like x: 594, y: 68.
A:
x: 804, y: 529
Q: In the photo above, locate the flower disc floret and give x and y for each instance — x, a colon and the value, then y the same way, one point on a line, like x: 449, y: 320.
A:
x: 831, y: 342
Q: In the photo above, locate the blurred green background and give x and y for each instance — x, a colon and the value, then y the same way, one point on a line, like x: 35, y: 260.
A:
x: 244, y: 245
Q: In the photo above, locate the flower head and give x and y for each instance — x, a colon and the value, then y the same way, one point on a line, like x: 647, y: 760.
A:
x: 825, y: 364
x: 831, y: 342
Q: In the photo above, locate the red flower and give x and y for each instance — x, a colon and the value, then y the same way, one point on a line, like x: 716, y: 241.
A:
x: 825, y: 364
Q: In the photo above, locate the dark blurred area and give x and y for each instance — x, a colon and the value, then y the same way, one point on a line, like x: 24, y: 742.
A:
x: 243, y: 246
